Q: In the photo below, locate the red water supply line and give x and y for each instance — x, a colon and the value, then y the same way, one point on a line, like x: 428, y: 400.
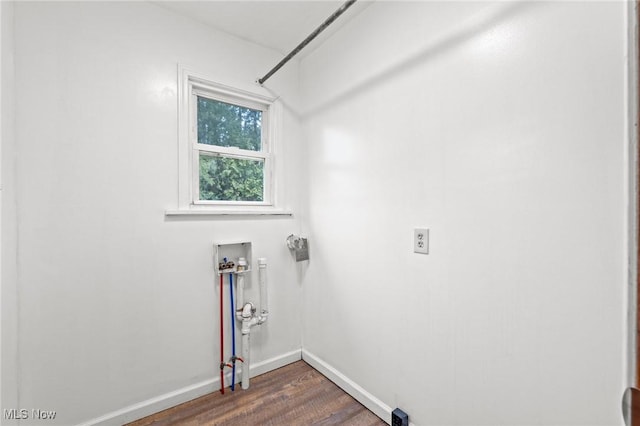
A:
x: 222, y: 363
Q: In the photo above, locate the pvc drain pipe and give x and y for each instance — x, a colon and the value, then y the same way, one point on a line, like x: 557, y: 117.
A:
x: 245, y: 312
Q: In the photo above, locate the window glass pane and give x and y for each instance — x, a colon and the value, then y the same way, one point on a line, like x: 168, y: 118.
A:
x: 224, y: 124
x: 231, y: 179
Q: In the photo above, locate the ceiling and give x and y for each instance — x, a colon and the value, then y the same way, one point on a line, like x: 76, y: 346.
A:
x: 279, y: 25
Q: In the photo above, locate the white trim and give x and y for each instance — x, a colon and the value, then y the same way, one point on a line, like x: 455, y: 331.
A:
x: 184, y: 133
x: 378, y: 407
x: 239, y: 97
x: 232, y: 152
x: 204, y: 82
x: 191, y: 83
x: 631, y: 171
x: 219, y: 212
x: 211, y: 90
x: 179, y: 396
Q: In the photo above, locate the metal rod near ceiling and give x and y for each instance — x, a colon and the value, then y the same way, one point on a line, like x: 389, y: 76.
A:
x: 308, y: 40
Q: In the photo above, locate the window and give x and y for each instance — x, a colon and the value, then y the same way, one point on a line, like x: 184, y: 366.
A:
x: 226, y: 148
x: 231, y: 158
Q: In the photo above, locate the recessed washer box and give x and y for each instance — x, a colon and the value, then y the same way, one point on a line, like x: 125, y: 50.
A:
x: 233, y: 252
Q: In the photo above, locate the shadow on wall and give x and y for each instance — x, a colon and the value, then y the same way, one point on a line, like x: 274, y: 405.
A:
x: 467, y: 31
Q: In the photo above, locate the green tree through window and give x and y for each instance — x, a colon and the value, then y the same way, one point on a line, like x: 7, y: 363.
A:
x: 225, y: 178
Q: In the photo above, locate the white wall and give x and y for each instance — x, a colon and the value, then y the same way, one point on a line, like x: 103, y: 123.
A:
x: 498, y: 126
x: 501, y: 127
x: 8, y: 284
x: 117, y: 303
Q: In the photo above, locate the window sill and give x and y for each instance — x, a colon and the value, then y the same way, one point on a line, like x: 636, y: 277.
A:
x: 203, y: 212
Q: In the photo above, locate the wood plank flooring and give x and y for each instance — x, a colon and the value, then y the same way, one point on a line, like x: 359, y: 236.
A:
x: 292, y: 395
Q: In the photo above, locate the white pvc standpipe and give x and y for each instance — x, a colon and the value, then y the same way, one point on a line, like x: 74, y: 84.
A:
x: 245, y: 354
x: 239, y: 295
x: 245, y: 313
x: 242, y: 263
x: 262, y: 281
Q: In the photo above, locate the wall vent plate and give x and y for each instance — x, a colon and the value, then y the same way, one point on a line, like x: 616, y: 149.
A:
x: 399, y: 418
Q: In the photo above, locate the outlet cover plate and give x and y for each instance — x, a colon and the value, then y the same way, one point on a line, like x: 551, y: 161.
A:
x: 421, y: 240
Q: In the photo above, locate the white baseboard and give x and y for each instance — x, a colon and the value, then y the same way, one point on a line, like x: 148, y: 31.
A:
x: 171, y: 399
x: 378, y: 407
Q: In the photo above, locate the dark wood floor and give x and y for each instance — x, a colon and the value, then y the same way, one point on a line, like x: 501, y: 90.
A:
x: 292, y: 395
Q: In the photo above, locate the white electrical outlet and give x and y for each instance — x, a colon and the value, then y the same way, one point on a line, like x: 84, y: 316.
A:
x: 421, y: 240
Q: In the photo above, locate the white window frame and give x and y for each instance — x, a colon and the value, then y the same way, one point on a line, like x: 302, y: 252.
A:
x: 193, y: 84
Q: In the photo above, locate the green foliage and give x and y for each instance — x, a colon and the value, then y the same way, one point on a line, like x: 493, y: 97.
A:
x: 224, y: 124
x: 227, y: 125
x: 231, y: 179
